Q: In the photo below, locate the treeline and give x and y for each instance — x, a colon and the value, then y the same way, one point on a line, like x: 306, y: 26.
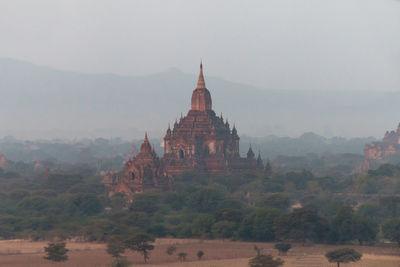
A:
x: 295, y: 206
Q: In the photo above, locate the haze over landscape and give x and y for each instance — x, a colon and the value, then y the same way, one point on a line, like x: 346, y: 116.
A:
x: 331, y: 67
x: 200, y: 133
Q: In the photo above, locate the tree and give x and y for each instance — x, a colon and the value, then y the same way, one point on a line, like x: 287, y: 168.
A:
x: 283, y: 248
x: 276, y: 201
x: 364, y: 229
x: 391, y: 230
x: 115, y: 246
x: 182, y: 256
x: 84, y: 204
x: 301, y: 224
x: 265, y: 261
x: 56, y: 252
x: 140, y: 243
x: 118, y: 201
x: 200, y: 254
x: 259, y: 225
x: 343, y: 255
x: 171, y: 250
x: 223, y: 229
x: 391, y: 203
x: 205, y: 199
x: 120, y: 262
x: 258, y: 250
x: 147, y: 203
x: 201, y: 225
x: 343, y: 225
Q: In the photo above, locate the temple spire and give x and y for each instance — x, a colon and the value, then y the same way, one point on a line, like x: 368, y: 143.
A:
x: 145, y: 147
x: 201, y: 97
x: 201, y: 83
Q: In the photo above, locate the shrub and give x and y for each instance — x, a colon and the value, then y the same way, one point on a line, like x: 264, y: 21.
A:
x: 56, y: 252
x: 182, y: 256
x: 171, y: 250
x: 283, y: 248
x: 343, y: 255
x: 265, y: 261
x: 200, y: 254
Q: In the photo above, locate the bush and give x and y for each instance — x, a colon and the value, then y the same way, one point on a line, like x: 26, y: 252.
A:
x: 171, y: 250
x: 56, y: 252
x: 343, y: 255
x: 265, y: 261
x: 200, y: 254
x: 182, y: 256
x: 120, y: 262
x: 283, y: 248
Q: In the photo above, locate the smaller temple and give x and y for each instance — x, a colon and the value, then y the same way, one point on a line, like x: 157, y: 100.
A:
x: 379, y: 152
x: 141, y: 172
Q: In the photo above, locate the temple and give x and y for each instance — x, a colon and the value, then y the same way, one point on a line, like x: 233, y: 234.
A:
x: 385, y: 151
x: 200, y: 141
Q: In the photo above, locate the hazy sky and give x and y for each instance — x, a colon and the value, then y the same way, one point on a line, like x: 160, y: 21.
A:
x: 276, y: 44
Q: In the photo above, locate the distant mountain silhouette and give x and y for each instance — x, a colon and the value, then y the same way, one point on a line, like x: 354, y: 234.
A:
x: 39, y: 101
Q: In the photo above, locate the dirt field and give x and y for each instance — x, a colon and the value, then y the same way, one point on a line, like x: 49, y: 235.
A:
x: 21, y: 253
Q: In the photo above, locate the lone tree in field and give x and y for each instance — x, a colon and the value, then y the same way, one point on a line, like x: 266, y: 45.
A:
x: 56, y: 252
x: 283, y: 248
x: 182, y: 256
x: 265, y: 261
x: 140, y: 243
x: 258, y: 250
x: 171, y: 250
x: 200, y: 254
x: 343, y: 255
x: 115, y: 246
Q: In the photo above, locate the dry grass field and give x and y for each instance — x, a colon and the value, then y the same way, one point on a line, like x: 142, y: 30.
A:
x: 22, y: 253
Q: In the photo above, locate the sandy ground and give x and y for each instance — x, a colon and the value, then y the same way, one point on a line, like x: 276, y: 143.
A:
x: 216, y: 253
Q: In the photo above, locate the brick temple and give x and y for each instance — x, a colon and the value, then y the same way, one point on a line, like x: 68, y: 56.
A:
x: 377, y: 153
x: 200, y: 141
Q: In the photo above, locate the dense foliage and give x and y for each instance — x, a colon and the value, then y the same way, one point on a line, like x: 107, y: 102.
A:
x: 70, y: 201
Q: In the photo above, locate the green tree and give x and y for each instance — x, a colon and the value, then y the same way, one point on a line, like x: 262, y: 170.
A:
x: 229, y: 214
x: 364, y: 229
x: 259, y: 225
x: 56, y: 252
x: 343, y: 255
x: 391, y: 203
x: 205, y: 199
x: 202, y: 224
x: 200, y: 254
x: 223, y: 229
x: 147, y: 203
x: 140, y: 243
x: 171, y: 250
x: 265, y: 261
x: 120, y: 262
x: 84, y: 204
x: 301, y: 225
x: 391, y: 230
x: 118, y: 201
x: 283, y: 248
x: 277, y: 201
x: 115, y: 246
x: 343, y: 225
x: 182, y: 256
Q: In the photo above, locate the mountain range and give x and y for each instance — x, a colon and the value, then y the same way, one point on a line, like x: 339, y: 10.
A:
x: 43, y: 102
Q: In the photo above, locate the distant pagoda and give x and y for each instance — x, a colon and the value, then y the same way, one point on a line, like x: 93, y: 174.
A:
x: 199, y: 141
